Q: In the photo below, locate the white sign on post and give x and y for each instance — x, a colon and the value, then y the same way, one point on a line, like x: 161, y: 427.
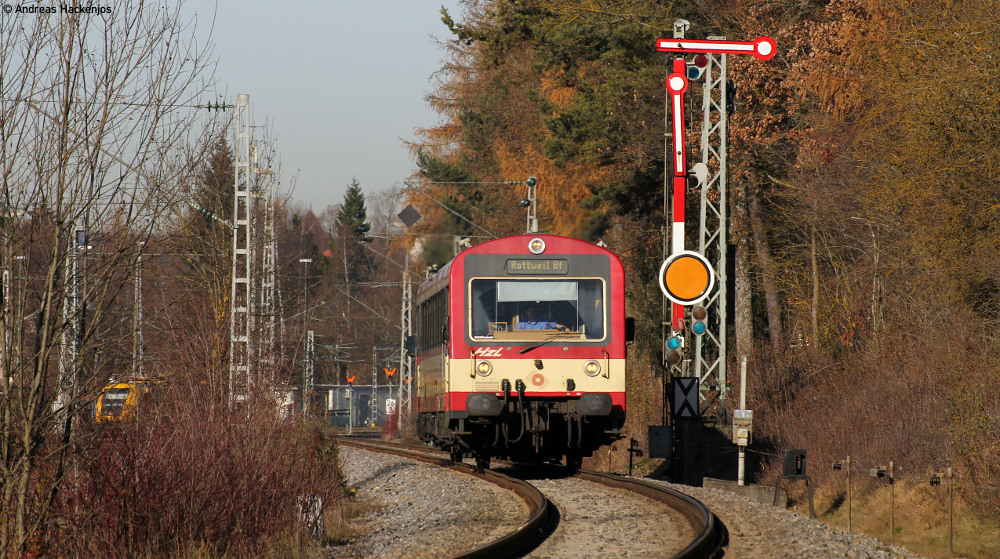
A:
x: 390, y: 406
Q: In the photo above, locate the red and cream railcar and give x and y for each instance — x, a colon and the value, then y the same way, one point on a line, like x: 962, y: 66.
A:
x: 521, y: 350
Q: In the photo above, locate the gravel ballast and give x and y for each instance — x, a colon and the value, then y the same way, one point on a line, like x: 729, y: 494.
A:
x: 601, y: 522
x: 426, y: 511
x: 760, y: 531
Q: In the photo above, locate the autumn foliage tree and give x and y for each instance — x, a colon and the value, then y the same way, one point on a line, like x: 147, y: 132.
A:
x: 862, y: 189
x: 875, y: 193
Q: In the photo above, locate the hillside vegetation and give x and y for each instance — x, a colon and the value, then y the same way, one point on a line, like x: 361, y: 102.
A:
x: 862, y: 188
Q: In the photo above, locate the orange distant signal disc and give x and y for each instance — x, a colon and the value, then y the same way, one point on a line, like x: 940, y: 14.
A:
x: 686, y: 278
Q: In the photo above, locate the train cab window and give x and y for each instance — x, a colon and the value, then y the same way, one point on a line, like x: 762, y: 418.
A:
x: 518, y: 309
x: 114, y: 401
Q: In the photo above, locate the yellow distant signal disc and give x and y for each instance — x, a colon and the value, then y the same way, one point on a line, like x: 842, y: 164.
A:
x: 686, y: 277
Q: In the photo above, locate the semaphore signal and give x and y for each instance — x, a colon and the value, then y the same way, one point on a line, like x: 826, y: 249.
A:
x: 689, y: 272
x: 763, y: 48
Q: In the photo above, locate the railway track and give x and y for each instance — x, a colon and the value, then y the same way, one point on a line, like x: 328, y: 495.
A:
x: 514, y: 544
x: 544, y: 517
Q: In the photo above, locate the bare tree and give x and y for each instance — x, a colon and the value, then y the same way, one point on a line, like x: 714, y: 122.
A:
x: 94, y: 118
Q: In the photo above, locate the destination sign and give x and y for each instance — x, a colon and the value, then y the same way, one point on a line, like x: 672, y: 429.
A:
x: 540, y: 267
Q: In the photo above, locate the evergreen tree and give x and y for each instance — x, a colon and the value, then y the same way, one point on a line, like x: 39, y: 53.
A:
x: 217, y: 180
x: 207, y: 248
x: 352, y: 229
x: 353, y: 215
x: 205, y: 238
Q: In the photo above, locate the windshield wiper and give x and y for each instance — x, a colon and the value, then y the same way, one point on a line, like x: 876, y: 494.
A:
x: 540, y: 344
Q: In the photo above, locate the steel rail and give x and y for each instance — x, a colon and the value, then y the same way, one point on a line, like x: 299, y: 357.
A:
x: 710, y: 533
x: 708, y: 540
x: 526, y: 537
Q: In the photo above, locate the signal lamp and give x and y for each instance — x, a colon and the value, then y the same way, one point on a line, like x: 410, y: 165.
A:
x: 525, y: 203
x: 696, y: 68
x: 674, y: 357
x: 532, y: 181
x: 536, y: 246
x: 484, y: 368
x: 700, y: 324
x: 673, y: 349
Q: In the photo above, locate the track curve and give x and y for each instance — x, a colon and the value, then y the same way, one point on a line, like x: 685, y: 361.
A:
x: 709, y: 531
x: 515, y: 544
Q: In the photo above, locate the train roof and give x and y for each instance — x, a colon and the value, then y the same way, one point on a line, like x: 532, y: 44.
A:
x: 517, y: 244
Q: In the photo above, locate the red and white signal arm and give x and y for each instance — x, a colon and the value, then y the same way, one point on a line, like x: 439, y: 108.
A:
x: 686, y: 277
x: 762, y: 48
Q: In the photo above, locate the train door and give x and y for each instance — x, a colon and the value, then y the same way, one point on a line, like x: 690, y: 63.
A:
x: 445, y: 367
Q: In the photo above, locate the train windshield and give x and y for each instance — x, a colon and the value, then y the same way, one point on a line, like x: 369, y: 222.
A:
x: 114, y: 401
x: 518, y: 309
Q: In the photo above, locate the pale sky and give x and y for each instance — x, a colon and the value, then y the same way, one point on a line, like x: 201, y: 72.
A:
x: 340, y: 83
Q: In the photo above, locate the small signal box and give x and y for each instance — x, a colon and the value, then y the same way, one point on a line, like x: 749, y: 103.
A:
x: 742, y: 427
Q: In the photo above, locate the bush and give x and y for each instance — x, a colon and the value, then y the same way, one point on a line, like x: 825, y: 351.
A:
x: 196, y: 475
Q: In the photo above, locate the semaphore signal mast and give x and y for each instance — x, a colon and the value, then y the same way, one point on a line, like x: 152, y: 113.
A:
x: 687, y: 277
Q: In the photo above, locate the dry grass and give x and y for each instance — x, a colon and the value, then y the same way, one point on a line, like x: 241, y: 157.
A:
x: 925, y: 400
x: 921, y: 516
x: 338, y: 528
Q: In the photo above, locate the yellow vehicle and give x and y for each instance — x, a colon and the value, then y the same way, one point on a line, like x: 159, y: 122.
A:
x: 120, y: 401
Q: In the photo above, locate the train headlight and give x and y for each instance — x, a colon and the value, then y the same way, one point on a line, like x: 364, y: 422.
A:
x: 536, y: 246
x: 484, y: 368
x: 592, y: 368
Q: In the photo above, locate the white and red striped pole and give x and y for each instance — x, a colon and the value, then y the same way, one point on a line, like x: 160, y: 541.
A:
x: 677, y: 84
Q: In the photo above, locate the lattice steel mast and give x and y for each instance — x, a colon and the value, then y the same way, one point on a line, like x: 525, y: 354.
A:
x: 406, y: 330
x: 69, y: 354
x: 138, y: 339
x: 241, y: 314
x: 710, y: 348
x: 269, y: 255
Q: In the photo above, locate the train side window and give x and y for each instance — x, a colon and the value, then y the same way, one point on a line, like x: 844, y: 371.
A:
x: 431, y: 316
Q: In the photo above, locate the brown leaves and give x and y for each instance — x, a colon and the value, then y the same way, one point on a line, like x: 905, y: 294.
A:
x: 560, y: 189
